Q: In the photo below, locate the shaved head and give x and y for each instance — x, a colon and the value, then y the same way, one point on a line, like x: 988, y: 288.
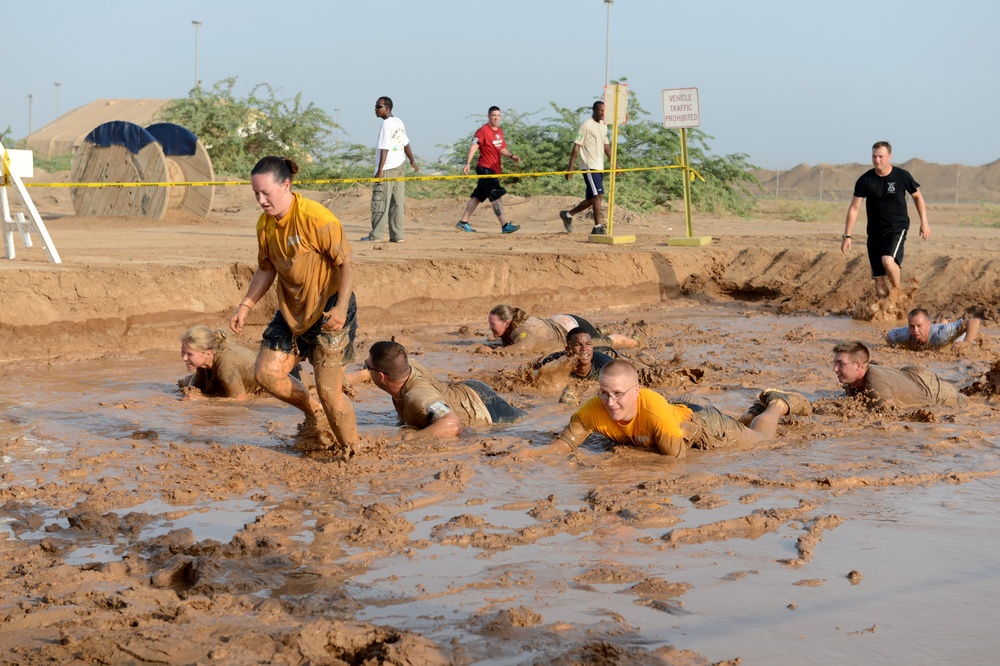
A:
x: 620, y: 368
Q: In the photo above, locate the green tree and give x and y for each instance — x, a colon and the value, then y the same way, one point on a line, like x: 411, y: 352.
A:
x: 239, y: 131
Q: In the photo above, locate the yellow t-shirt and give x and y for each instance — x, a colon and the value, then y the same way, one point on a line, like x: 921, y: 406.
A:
x: 657, y: 424
x: 307, y: 248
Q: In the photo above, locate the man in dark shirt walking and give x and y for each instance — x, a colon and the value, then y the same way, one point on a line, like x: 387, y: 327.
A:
x: 884, y: 188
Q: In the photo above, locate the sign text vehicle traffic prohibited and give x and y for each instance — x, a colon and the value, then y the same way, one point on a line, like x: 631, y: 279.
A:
x: 681, y: 112
x: 680, y: 108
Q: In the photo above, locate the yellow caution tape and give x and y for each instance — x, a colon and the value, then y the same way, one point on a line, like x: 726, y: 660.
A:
x: 331, y: 181
x: 5, y: 173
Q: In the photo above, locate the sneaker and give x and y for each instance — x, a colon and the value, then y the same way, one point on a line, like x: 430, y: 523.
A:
x: 465, y: 226
x: 567, y: 220
x: 369, y: 239
x: 796, y: 402
x: 509, y: 228
x: 599, y: 229
x: 396, y: 240
x: 753, y: 411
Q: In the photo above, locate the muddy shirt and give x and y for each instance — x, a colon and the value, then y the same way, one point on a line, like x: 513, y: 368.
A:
x: 655, y: 421
x: 940, y: 335
x: 537, y: 335
x: 908, y: 388
x: 598, y: 361
x: 231, y: 373
x: 423, y: 400
x: 306, y: 247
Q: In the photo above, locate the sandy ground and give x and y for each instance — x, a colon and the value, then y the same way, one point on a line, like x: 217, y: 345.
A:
x: 137, y: 528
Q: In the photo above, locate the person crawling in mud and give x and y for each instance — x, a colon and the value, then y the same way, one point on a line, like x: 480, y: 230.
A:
x: 220, y: 369
x: 580, y: 357
x: 629, y: 414
x: 887, y: 388
x: 920, y: 333
x: 517, y: 329
x: 430, y: 407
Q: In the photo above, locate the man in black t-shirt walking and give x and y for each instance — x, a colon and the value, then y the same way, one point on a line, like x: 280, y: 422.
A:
x: 884, y: 188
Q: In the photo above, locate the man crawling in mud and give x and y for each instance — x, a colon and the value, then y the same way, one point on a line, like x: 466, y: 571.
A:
x: 581, y: 361
x: 580, y: 357
x: 887, y: 388
x: 920, y: 333
x: 626, y: 413
x: 426, y: 406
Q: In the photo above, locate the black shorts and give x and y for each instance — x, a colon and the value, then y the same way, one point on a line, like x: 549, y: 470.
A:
x: 319, y: 346
x: 889, y: 244
x: 487, y: 188
x: 595, y: 184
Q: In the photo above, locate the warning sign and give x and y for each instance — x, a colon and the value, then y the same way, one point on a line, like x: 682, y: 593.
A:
x: 680, y: 108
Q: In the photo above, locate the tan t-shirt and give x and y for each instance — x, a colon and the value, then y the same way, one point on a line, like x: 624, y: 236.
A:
x: 231, y: 373
x: 536, y: 335
x: 307, y: 248
x: 592, y: 137
x: 908, y: 388
x: 424, y: 399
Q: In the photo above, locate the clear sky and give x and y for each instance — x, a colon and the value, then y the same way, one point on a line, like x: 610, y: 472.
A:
x: 785, y: 81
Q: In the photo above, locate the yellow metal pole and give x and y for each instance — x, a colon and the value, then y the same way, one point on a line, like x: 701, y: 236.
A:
x: 614, y: 164
x: 687, y: 182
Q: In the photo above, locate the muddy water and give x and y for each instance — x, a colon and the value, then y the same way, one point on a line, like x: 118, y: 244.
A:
x: 497, y: 560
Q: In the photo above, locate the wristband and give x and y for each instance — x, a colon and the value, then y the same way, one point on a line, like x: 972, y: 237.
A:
x: 244, y: 305
x: 846, y: 236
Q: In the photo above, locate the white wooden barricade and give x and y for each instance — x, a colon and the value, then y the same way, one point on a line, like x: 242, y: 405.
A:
x: 14, y: 165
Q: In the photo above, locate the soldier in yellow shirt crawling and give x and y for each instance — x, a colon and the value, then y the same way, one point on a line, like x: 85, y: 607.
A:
x: 627, y: 413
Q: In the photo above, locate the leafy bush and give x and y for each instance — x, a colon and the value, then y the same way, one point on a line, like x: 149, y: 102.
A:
x: 237, y: 132
x: 987, y: 216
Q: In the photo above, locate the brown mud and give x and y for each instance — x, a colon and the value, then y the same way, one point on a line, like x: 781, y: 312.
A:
x: 139, y: 528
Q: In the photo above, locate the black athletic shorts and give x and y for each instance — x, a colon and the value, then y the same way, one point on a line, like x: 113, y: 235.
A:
x: 889, y: 244
x: 487, y: 188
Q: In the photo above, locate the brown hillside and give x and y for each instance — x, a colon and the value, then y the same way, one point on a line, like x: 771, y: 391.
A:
x: 938, y: 182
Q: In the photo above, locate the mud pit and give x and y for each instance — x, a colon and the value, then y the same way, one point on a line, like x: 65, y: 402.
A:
x: 137, y: 528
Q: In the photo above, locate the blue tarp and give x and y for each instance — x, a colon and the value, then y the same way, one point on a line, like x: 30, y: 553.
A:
x: 121, y: 133
x: 175, y: 139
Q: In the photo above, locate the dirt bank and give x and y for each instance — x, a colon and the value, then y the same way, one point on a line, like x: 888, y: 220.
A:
x: 132, y: 284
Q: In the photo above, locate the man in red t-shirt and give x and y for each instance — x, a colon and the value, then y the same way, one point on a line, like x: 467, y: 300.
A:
x: 491, y: 145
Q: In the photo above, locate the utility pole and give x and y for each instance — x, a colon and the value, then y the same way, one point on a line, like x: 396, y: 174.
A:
x: 196, y: 24
x: 607, y: 47
x: 31, y: 99
x: 57, y: 98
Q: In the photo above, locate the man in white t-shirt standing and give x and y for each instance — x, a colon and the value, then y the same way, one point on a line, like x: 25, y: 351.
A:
x: 388, y: 197
x: 591, y: 145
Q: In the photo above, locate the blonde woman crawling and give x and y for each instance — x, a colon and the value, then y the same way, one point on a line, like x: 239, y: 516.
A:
x: 220, y: 369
